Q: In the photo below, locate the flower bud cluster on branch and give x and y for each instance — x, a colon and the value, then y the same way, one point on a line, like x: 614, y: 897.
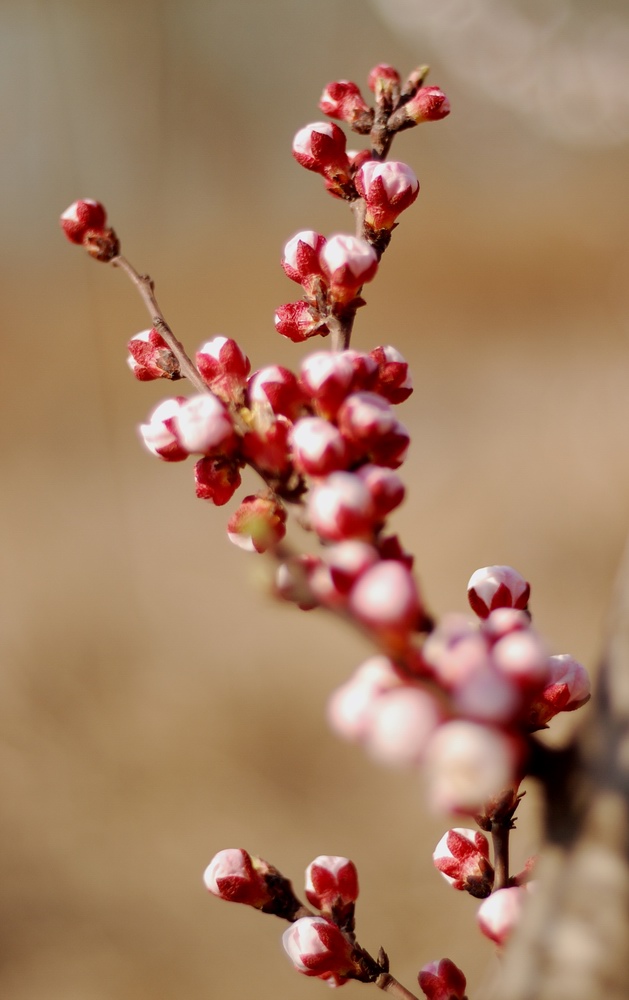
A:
x: 461, y: 698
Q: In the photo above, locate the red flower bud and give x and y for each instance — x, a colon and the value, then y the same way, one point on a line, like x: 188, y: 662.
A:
x: 386, y: 598
x: 428, y: 104
x: 160, y: 435
x: 232, y: 875
x: 217, y: 479
x: 321, y: 147
x: 301, y: 257
x: 385, y: 82
x: 331, y: 883
x: 203, y: 425
x: 298, y: 321
x: 348, y: 262
x: 317, y: 947
x: 258, y: 524
x: 151, y: 358
x: 224, y: 368
x: 318, y: 446
x: 394, y: 381
x: 343, y: 99
x: 500, y: 913
x: 462, y: 857
x: 82, y: 217
x: 341, y: 507
x: 388, y: 188
x: 442, y: 981
x: 497, y: 587
x: 277, y: 389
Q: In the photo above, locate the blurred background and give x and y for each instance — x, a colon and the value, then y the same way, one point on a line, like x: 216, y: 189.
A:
x: 156, y: 705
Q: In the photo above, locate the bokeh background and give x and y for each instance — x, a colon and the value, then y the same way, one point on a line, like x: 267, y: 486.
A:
x: 156, y: 705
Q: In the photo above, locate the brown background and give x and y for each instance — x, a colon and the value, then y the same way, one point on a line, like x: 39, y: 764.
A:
x: 156, y: 706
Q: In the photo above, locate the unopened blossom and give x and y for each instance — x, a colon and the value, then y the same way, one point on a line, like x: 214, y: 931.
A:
x: 298, y: 321
x: 522, y: 656
x: 386, y: 598
x: 317, y: 947
x: 370, y: 423
x: 320, y: 146
x: 318, y: 447
x: 340, y: 507
x: 442, y: 980
x: 387, y: 188
x: 386, y: 488
x: 203, y: 425
x: 384, y: 81
x: 343, y: 100
x: 497, y: 587
x: 347, y: 561
x: 216, y: 479
x: 500, y: 913
x: 301, y: 257
x: 567, y: 688
x: 224, y: 368
x: 160, y: 435
x: 82, y: 217
x: 462, y: 857
x: 327, y: 377
x: 292, y: 581
x: 468, y: 763
x: 278, y: 388
x: 348, y: 263
x: 332, y: 884
x: 400, y: 725
x: 151, y: 358
x: 428, y: 104
x: 350, y: 707
x: 266, y: 445
x: 258, y: 524
x: 394, y: 380
x: 235, y: 876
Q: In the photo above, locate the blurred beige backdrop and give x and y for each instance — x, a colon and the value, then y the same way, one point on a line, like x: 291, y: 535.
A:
x: 156, y: 706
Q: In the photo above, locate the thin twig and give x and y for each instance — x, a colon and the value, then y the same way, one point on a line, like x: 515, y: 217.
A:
x: 390, y: 985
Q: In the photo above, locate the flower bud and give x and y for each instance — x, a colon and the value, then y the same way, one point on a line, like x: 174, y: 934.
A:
x: 331, y: 884
x: 82, y: 217
x: 321, y: 147
x: 317, y: 947
x: 160, y: 434
x: 499, y: 914
x: 442, y: 981
x: 203, y: 425
x: 276, y: 388
x: 462, y: 857
x: 369, y: 422
x: 400, y: 725
x: 567, y: 688
x: 343, y: 100
x: 346, y: 561
x: 216, y: 480
x: 267, y: 444
x: 428, y: 104
x: 258, y: 524
x: 151, y: 358
x: 350, y: 707
x: 497, y: 587
x: 394, y: 381
x: 522, y: 657
x: 388, y: 188
x: 386, y: 488
x: 348, y: 263
x: 327, y: 378
x: 301, y: 256
x: 386, y: 598
x: 318, y: 447
x: 224, y: 368
x: 341, y: 507
x: 297, y: 321
x: 468, y: 763
x: 385, y: 82
x: 232, y: 875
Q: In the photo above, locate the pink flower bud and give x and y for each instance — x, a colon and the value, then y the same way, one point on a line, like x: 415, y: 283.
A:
x: 258, y: 524
x: 348, y: 262
x: 341, y: 507
x: 350, y: 707
x: 277, y: 388
x: 224, y: 368
x: 297, y: 321
x: 499, y: 914
x: 567, y: 688
x: 468, y: 763
x: 365, y: 370
x: 160, y: 434
x: 387, y: 490
x: 331, y: 883
x: 504, y: 621
x: 292, y: 581
x: 428, y: 104
x: 523, y: 657
x: 82, y: 217
x: 301, y: 256
x: 462, y: 857
x: 346, y: 561
x: 203, y: 425
x: 232, y: 876
x: 266, y: 445
x: 321, y: 147
x: 327, y: 377
x: 318, y: 446
x: 385, y: 598
x: 401, y: 723
x: 442, y: 981
x: 151, y: 358
x: 317, y: 947
x: 369, y: 422
x: 384, y: 81
x: 388, y: 188
x: 394, y: 381
x: 497, y: 587
x: 343, y: 99
x: 216, y: 479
